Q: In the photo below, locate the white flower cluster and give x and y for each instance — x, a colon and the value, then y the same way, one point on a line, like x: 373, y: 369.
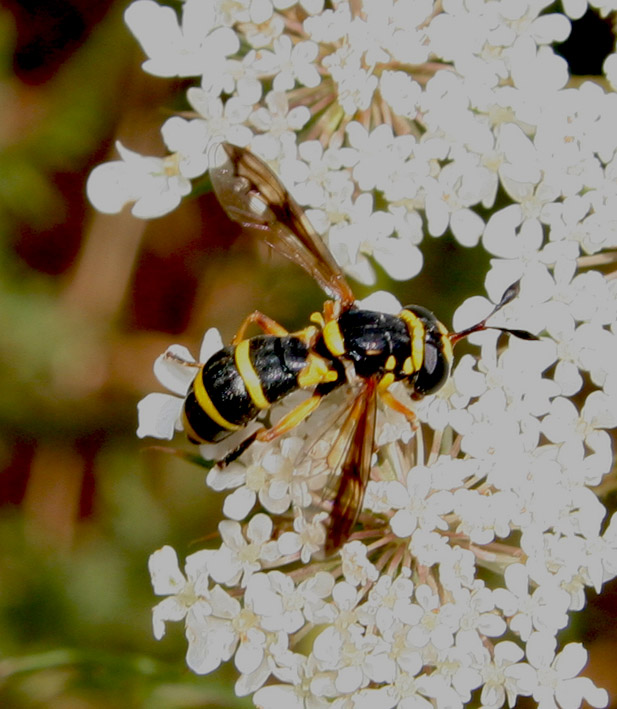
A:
x: 430, y: 106
x: 426, y: 109
x: 403, y: 617
x: 378, y: 641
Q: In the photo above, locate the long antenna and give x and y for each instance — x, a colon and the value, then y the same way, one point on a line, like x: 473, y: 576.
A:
x: 508, y: 296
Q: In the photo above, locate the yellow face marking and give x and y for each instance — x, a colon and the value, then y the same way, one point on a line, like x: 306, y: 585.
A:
x: 315, y: 372
x: 445, y: 343
x: 203, y: 399
x: 333, y: 338
x: 408, y: 366
x: 417, y: 333
x: 391, y: 363
x: 249, y: 375
x: 317, y: 318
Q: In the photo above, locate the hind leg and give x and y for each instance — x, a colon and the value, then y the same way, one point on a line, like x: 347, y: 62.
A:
x: 286, y: 424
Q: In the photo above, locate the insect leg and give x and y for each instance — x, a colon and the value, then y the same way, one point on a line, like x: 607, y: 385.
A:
x: 286, y: 424
x: 269, y: 326
x: 180, y: 360
x: 292, y: 419
x: 390, y: 400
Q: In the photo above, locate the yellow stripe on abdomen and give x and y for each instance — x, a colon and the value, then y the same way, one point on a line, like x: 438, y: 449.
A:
x: 203, y: 399
x: 249, y: 375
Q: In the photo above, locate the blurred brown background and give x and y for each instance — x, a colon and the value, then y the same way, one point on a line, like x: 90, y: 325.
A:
x: 86, y: 304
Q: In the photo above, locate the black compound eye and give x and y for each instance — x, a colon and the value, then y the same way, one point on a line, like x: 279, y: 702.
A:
x: 434, y: 371
x: 435, y: 367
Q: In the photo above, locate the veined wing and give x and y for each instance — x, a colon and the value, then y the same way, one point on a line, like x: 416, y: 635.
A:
x: 252, y: 195
x: 351, y: 454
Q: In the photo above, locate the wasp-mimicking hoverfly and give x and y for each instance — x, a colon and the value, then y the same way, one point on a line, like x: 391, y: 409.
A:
x: 344, y: 345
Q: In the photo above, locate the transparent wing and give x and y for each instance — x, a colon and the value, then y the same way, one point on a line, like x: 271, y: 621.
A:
x: 252, y: 195
x: 350, y: 462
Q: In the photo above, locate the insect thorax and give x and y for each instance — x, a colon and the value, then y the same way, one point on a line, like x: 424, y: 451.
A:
x: 412, y: 346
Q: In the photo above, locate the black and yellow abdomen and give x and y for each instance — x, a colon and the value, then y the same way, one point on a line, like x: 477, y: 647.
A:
x: 239, y: 381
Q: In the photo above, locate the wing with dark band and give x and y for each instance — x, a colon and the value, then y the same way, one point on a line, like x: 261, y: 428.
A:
x: 356, y: 439
x: 252, y: 195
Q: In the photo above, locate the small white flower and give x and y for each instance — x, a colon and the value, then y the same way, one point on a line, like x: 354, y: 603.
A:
x: 357, y: 569
x: 401, y: 92
x: 160, y: 414
x: 155, y: 185
x: 505, y: 676
x: 183, y: 593
x: 389, y: 602
x: 238, y: 558
x: 294, y: 62
x: 545, y: 609
x: 557, y: 680
x: 277, y: 122
x: 350, y: 239
x: 431, y: 621
x: 418, y: 504
x: 221, y: 121
x: 180, y: 51
x: 307, y: 538
x: 478, y: 613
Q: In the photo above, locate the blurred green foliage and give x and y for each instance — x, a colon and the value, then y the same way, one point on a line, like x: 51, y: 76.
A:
x: 82, y: 502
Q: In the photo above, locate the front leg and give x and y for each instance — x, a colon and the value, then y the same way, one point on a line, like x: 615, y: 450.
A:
x: 269, y: 326
x: 390, y: 400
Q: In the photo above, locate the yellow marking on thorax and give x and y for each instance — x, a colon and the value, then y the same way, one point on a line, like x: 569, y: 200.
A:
x: 390, y: 363
x: 203, y: 399
x: 385, y: 381
x: 308, y: 335
x: 445, y: 343
x: 417, y: 332
x: 315, y: 372
x: 249, y: 375
x: 334, y: 338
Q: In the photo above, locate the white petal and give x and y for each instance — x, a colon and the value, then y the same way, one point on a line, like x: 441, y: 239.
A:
x: 289, y: 543
x: 278, y: 696
x: 382, y: 301
x: 209, y: 644
x: 172, y: 373
x: 239, y: 503
x: 540, y: 649
x: 165, y: 572
x: 168, y: 609
x: 259, y: 528
x: 571, y: 660
x: 108, y: 187
x: 211, y: 344
x: 248, y: 657
x: 400, y: 258
x: 466, y: 226
x: 159, y: 415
